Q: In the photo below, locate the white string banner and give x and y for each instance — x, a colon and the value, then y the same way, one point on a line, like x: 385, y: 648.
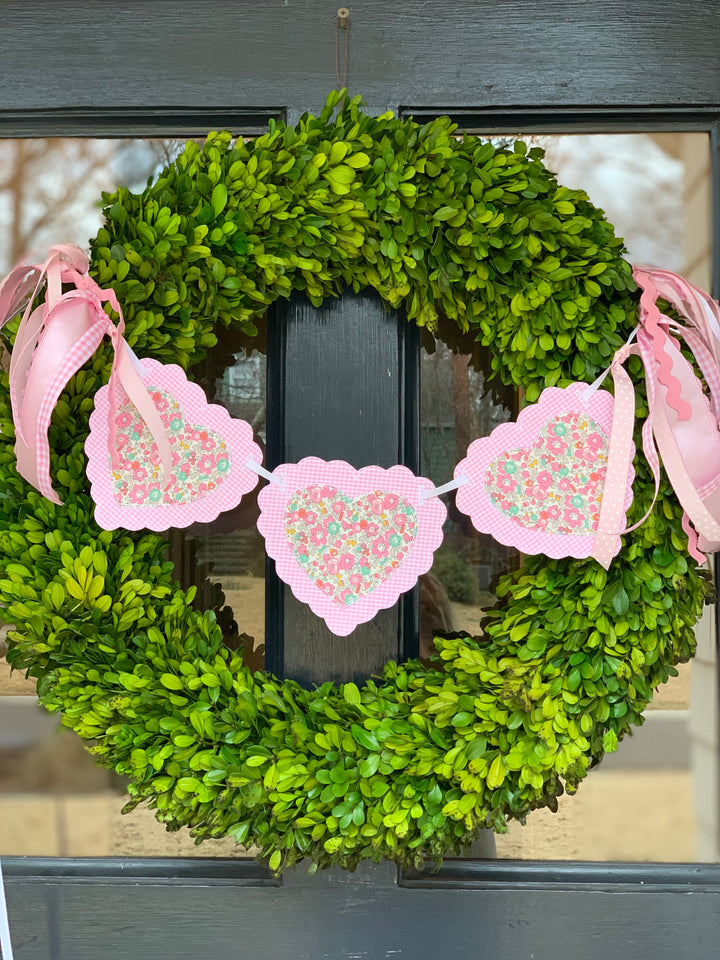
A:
x: 455, y: 484
x: 262, y: 472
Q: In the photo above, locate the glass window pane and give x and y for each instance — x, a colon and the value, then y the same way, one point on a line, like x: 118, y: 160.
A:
x: 656, y: 797
x: 225, y: 559
x: 54, y: 800
x: 454, y: 410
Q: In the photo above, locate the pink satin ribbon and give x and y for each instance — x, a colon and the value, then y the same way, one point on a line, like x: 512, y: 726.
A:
x: 683, y: 422
x: 53, y: 342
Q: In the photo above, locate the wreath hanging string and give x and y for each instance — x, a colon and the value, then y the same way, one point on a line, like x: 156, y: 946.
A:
x: 422, y: 758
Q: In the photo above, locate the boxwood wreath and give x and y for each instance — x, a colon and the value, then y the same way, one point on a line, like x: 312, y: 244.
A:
x: 421, y: 759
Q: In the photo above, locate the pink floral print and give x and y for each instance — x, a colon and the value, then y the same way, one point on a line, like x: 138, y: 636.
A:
x: 200, y: 458
x: 556, y: 486
x: 348, y: 547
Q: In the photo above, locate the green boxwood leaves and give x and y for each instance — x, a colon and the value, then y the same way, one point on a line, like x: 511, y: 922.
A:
x: 434, y: 223
x: 418, y: 761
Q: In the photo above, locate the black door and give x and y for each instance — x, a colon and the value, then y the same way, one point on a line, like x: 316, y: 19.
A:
x: 175, y: 68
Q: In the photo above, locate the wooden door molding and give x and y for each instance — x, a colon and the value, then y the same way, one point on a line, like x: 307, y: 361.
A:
x: 500, y: 53
x: 590, y: 911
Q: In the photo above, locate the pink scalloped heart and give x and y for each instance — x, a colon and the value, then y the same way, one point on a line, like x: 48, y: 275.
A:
x: 538, y: 484
x: 210, y: 450
x: 349, y: 542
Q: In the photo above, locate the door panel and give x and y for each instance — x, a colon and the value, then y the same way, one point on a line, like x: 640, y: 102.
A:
x: 122, y: 909
x: 342, y: 384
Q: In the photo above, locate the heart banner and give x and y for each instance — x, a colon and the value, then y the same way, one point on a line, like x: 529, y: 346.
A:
x: 542, y: 483
x: 558, y: 481
x: 348, y: 542
x: 209, y: 450
x: 159, y: 455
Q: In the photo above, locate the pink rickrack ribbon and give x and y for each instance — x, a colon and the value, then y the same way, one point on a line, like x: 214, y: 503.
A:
x: 683, y: 418
x: 53, y: 342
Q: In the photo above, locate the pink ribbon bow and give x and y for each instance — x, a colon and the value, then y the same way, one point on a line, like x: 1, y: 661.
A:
x: 53, y: 342
x: 683, y: 422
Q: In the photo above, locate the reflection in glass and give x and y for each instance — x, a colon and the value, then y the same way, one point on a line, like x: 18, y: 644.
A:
x: 50, y: 189
x: 454, y: 410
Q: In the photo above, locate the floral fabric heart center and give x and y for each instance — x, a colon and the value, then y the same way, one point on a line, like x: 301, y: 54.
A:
x: 348, y: 547
x: 200, y: 457
x: 556, y: 485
